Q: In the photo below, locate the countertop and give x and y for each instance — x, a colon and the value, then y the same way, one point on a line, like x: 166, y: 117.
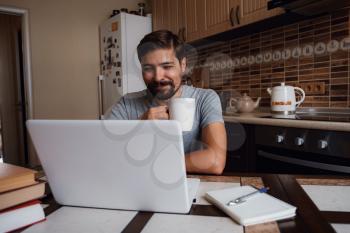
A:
x: 257, y: 118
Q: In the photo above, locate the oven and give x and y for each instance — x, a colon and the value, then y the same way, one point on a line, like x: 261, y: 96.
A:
x: 301, y: 151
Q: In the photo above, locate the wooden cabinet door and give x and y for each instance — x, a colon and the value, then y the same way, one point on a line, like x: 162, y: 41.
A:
x: 173, y: 15
x: 219, y: 16
x: 170, y: 15
x: 165, y: 15
x: 250, y: 11
x: 157, y: 15
x: 195, y: 19
x: 181, y: 14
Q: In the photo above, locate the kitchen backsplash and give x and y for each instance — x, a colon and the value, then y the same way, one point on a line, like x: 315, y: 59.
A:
x: 313, y: 54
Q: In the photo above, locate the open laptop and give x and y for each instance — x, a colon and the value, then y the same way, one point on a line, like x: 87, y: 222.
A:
x: 130, y: 165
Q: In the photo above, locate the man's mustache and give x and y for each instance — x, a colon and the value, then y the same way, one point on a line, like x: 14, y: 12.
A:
x: 161, y: 83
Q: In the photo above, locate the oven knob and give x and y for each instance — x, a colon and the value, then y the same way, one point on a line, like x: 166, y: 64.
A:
x: 322, y: 144
x: 279, y: 138
x: 299, y: 141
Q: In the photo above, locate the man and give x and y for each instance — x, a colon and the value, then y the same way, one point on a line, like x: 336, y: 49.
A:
x: 163, y: 62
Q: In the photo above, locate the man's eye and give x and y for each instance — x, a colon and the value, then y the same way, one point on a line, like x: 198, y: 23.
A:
x: 167, y: 67
x: 147, y: 69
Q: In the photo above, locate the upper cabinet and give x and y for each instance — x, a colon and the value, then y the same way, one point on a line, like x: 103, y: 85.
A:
x: 219, y: 16
x: 196, y: 19
x: 250, y: 11
x: 166, y: 15
x: 170, y: 15
x: 194, y: 23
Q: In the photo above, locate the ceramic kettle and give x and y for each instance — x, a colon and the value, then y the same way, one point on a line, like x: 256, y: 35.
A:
x: 244, y: 104
x: 283, y: 98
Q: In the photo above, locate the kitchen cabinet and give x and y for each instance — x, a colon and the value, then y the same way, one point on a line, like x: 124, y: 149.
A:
x: 219, y: 16
x: 196, y: 19
x: 207, y: 17
x: 165, y: 15
x: 241, y: 152
x: 194, y: 24
x: 169, y: 15
x: 250, y: 11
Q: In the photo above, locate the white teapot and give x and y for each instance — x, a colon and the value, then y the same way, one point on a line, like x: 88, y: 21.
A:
x: 283, y: 98
x: 244, y: 104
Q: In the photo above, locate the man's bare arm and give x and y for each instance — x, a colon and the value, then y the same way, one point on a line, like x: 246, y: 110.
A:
x: 212, y: 159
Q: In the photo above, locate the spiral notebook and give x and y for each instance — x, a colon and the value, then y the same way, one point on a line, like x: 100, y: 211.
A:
x: 258, y: 209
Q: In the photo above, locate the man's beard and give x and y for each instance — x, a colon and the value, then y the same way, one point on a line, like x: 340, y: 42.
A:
x: 162, y: 94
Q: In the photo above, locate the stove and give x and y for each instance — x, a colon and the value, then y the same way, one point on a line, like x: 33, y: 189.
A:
x: 317, y: 114
x: 301, y: 150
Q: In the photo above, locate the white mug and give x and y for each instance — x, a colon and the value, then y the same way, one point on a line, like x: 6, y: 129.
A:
x: 183, y: 110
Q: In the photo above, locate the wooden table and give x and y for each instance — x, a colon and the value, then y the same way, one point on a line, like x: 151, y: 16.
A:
x: 285, y: 187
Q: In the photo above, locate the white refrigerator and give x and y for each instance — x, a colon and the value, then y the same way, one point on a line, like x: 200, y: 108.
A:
x: 120, y: 67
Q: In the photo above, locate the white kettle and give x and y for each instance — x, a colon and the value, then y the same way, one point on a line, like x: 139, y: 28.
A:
x: 283, y: 99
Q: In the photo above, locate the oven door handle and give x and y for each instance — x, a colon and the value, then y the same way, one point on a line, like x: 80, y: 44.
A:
x: 305, y: 163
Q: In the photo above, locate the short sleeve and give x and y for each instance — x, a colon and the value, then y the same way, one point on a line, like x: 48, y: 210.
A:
x: 118, y: 111
x: 211, y: 110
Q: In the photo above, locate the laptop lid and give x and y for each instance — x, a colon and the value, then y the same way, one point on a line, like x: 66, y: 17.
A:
x: 131, y: 165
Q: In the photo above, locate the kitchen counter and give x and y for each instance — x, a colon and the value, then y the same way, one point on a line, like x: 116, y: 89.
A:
x: 257, y: 119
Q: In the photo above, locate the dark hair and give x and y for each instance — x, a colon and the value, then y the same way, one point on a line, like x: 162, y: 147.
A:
x: 162, y: 39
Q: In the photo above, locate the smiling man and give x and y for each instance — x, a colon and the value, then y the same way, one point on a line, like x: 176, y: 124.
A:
x: 163, y: 62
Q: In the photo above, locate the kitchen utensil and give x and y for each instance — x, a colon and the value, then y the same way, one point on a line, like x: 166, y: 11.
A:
x: 283, y: 100
x: 244, y: 104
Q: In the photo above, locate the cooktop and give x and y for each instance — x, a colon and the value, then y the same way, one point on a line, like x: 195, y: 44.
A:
x: 314, y: 117
x: 317, y: 114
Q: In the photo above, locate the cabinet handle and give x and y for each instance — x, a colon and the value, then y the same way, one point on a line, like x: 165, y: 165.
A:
x: 179, y: 33
x: 184, y: 34
x: 231, y: 17
x: 237, y: 14
x: 305, y: 163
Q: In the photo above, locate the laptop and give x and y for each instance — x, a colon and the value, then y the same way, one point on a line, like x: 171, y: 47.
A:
x: 129, y: 165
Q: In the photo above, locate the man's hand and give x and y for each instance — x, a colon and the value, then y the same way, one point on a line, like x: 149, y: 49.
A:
x: 156, y: 113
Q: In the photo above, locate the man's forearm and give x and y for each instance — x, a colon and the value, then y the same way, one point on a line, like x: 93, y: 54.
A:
x: 205, y: 161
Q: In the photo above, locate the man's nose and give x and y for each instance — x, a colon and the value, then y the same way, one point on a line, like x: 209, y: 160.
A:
x: 159, y: 73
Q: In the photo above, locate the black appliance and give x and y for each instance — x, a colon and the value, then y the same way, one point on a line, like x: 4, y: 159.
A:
x: 308, y: 7
x: 301, y: 151
x: 304, y: 151
x: 319, y: 117
x: 317, y: 114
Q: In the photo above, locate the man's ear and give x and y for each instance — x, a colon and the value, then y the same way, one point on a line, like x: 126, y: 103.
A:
x: 183, y: 64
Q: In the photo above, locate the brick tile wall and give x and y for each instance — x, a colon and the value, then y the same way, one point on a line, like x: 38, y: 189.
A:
x: 311, y: 51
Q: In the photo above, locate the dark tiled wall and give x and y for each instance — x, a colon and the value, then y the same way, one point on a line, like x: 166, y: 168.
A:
x: 312, y: 51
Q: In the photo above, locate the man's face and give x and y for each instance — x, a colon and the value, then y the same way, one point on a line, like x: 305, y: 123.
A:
x: 162, y: 72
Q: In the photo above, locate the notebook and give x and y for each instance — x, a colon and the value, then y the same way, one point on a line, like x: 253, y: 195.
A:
x: 258, y: 209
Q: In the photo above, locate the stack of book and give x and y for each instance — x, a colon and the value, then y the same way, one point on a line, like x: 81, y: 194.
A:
x: 19, y: 192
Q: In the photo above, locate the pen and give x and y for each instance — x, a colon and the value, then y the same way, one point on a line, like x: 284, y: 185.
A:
x: 247, y: 196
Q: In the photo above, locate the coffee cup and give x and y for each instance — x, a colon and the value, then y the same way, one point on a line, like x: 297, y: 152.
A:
x: 183, y: 110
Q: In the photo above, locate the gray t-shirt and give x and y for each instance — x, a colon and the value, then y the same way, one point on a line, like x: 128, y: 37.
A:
x: 208, y: 110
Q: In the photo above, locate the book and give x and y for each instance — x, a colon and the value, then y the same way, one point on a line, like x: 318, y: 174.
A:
x: 21, y: 195
x: 21, y: 216
x: 258, y: 209
x: 12, y: 177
